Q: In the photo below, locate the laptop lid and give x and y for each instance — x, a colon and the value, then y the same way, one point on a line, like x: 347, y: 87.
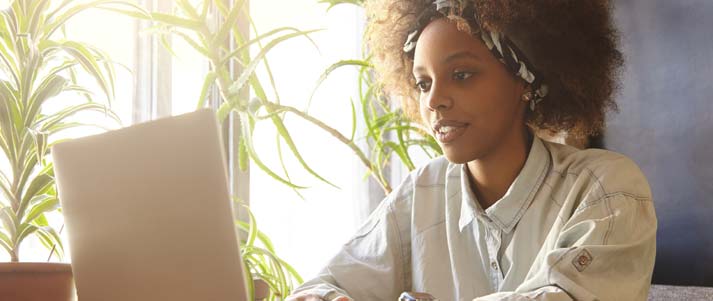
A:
x: 148, y: 213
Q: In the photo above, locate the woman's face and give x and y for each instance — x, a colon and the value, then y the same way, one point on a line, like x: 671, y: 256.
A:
x: 471, y: 102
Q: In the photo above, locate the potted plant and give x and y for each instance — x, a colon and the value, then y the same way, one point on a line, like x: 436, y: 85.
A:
x: 208, y: 27
x: 37, y: 64
x: 207, y: 34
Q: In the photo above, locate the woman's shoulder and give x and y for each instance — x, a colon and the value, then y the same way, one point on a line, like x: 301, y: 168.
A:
x: 610, y: 171
x: 429, y: 177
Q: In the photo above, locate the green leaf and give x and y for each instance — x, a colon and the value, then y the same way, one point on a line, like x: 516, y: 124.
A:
x: 253, y: 155
x: 282, y: 130
x: 6, y: 190
x: 207, y: 83
x: 250, y: 68
x: 403, y: 155
x: 141, y: 15
x: 163, y: 39
x: 278, y: 143
x: 193, y: 43
x: 108, y: 66
x: 222, y: 35
x: 59, y: 7
x: 40, y: 139
x: 188, y: 8
x: 243, y: 156
x: 88, y: 61
x: 172, y: 20
x: 37, y: 186
x: 70, y: 125
x: 24, y: 231
x: 46, y: 240
x: 53, y: 239
x: 53, y: 23
x: 28, y: 73
x: 354, y: 125
x: 329, y: 70
x: 7, y: 43
x: 252, y: 230
x: 333, y: 3
x: 47, y: 122
x: 64, y: 66
x: 37, y: 17
x: 244, y: 46
x: 10, y: 120
x: 50, y: 87
x: 9, y: 221
x: 41, y: 221
x: 44, y: 204
x: 6, y: 242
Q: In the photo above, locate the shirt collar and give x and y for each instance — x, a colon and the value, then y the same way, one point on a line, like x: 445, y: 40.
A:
x: 508, y: 210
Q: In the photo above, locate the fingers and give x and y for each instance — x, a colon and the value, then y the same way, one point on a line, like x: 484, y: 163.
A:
x: 305, y: 297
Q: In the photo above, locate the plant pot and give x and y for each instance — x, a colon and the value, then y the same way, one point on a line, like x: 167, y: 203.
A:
x: 29, y: 281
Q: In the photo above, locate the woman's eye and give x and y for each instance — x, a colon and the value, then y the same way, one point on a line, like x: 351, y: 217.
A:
x: 423, y: 85
x: 462, y: 75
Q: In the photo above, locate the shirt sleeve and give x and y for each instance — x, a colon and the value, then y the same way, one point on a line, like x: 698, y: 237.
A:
x: 605, y: 251
x: 368, y: 267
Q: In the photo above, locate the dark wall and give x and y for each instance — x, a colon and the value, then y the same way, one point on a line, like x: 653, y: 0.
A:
x: 665, y: 124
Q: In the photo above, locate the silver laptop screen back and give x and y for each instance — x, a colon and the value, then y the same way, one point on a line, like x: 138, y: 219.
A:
x: 148, y: 213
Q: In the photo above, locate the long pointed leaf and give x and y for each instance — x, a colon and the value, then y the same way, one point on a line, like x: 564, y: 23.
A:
x: 329, y: 70
x: 49, y: 121
x: 24, y: 231
x: 282, y: 130
x: 37, y: 186
x: 6, y: 242
x: 50, y: 87
x: 250, y: 68
x: 244, y: 46
x: 256, y: 159
x: 172, y: 20
x: 87, y: 60
x: 55, y: 21
x: 9, y: 221
x: 45, y: 203
x: 207, y: 83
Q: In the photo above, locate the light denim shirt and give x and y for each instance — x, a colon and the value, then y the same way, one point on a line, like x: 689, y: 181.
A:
x: 575, y: 224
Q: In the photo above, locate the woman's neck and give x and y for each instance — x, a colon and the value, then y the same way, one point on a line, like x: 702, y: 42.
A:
x: 491, y: 176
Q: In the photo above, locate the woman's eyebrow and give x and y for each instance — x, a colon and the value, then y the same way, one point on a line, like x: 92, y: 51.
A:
x: 465, y: 54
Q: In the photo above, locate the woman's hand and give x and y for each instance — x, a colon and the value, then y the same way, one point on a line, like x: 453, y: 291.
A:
x: 313, y: 297
x: 303, y: 297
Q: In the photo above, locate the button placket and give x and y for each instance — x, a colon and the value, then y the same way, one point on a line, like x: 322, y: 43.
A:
x: 493, y: 242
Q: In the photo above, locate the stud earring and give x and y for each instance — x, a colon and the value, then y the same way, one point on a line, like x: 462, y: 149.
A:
x: 532, y: 98
x: 528, y: 96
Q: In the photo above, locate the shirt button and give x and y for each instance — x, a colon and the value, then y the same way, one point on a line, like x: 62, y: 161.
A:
x: 494, y: 265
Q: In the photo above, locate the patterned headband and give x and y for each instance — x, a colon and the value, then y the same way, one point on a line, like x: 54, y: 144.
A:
x: 500, y: 45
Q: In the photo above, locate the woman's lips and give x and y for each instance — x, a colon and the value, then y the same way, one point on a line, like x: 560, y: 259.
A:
x: 446, y: 131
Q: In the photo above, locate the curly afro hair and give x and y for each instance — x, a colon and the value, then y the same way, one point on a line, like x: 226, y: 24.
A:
x: 572, y: 43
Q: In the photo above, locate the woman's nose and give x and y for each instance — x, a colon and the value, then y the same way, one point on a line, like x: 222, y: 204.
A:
x: 438, y: 98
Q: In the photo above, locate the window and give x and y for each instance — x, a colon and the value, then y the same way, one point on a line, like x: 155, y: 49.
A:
x: 308, y: 232
x: 150, y: 83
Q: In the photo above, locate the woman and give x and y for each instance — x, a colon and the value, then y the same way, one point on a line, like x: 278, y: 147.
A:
x: 503, y: 215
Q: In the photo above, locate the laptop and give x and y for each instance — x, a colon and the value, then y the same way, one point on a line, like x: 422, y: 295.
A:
x: 148, y: 213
